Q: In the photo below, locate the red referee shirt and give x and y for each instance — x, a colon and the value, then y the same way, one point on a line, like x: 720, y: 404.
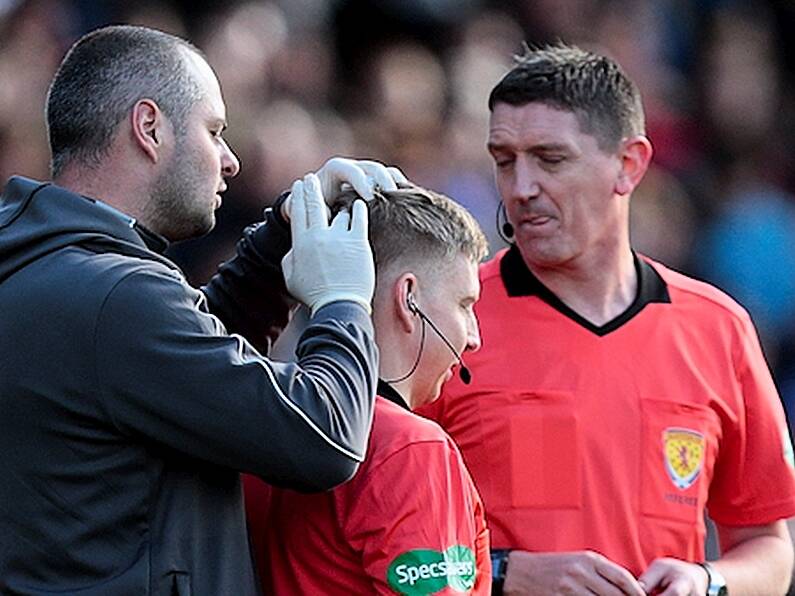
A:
x: 616, y: 438
x: 409, y: 522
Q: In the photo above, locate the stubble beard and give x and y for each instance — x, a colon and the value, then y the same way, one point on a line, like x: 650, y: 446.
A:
x: 178, y: 209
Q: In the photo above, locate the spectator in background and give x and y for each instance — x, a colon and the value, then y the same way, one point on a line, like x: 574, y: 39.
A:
x: 746, y: 245
x: 31, y: 48
x: 475, y: 64
x: 614, y: 399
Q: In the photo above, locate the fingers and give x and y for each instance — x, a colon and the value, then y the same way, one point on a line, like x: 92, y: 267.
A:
x: 359, y: 219
x: 285, y: 208
x: 297, y: 208
x: 673, y: 577
x: 678, y: 587
x: 652, y: 579
x: 307, y: 209
x: 338, y: 170
x: 364, y: 176
x: 397, y: 175
x: 598, y: 585
x: 378, y: 174
x: 342, y: 220
x: 619, y: 577
x: 316, y: 213
x: 355, y: 220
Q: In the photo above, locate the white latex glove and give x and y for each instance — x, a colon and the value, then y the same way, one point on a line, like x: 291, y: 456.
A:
x: 361, y: 175
x: 327, y: 262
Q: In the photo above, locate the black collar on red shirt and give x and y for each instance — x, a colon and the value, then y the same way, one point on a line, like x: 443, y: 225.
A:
x: 520, y: 281
x: 386, y: 391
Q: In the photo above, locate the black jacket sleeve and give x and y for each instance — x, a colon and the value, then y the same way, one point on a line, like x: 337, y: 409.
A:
x: 248, y: 292
x: 167, y: 373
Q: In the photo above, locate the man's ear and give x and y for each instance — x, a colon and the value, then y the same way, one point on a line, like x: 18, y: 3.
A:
x: 635, y: 157
x: 148, y: 128
x: 403, y: 296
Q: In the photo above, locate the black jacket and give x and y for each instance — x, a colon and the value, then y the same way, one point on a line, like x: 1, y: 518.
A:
x: 126, y: 410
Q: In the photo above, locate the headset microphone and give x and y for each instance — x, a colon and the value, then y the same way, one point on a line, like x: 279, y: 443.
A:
x: 505, y: 230
x: 463, y: 371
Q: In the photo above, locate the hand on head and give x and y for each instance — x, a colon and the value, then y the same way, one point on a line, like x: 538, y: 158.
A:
x: 339, y: 174
x: 327, y: 263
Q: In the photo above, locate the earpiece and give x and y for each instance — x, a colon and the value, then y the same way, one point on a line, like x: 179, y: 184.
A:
x: 466, y: 376
x: 412, y: 304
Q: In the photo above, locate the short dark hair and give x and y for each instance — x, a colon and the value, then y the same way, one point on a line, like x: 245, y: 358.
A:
x: 414, y: 223
x: 596, y: 89
x: 99, y: 80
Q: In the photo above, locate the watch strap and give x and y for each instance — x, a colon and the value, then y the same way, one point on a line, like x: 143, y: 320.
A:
x: 499, y: 567
x: 716, y: 583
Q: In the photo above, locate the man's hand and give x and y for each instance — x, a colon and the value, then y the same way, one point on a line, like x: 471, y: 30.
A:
x: 570, y: 573
x: 362, y: 175
x: 672, y: 577
x: 327, y: 263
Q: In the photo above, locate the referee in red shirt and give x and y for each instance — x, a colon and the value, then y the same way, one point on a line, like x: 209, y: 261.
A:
x: 410, y: 520
x: 613, y: 400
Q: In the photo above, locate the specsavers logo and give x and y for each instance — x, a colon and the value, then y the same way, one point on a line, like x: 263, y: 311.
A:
x: 425, y: 571
x: 684, y: 455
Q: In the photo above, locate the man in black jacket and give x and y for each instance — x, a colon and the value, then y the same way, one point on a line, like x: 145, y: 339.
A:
x: 128, y: 402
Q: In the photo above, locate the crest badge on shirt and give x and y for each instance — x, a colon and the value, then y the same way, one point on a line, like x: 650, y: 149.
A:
x: 683, y: 451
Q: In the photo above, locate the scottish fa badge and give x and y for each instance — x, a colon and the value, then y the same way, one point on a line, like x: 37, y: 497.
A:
x: 684, y: 455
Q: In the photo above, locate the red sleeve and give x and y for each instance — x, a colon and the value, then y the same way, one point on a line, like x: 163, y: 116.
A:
x: 482, y: 550
x: 754, y: 481
x: 258, y: 498
x: 418, y: 523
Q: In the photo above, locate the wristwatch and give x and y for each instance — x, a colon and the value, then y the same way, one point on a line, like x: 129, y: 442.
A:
x: 716, y: 584
x: 499, y: 566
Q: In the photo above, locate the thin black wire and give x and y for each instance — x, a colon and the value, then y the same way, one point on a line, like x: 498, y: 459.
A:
x: 417, y: 361
x: 501, y: 228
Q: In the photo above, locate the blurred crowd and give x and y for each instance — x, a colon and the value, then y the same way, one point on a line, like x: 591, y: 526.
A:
x: 405, y: 82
